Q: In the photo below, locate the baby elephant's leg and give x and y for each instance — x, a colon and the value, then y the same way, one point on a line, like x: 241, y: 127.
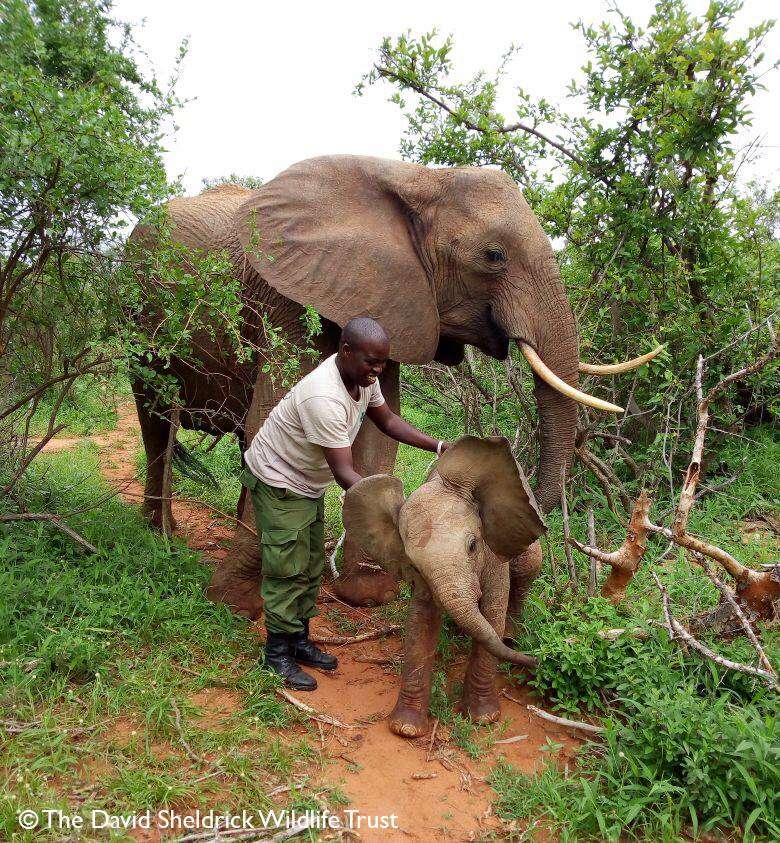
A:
x: 523, y: 570
x: 479, y: 700
x: 410, y: 715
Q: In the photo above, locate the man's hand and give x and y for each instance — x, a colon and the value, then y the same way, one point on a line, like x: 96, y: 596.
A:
x: 340, y: 462
x: 395, y: 427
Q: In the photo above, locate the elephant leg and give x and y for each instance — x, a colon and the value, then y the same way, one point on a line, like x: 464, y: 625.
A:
x: 236, y: 579
x: 479, y: 699
x: 409, y: 718
x: 523, y: 570
x: 360, y: 583
x: 155, y: 429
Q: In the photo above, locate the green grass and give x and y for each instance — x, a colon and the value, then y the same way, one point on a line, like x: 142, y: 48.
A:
x: 689, y: 746
x: 89, y: 642
x: 125, y: 638
x: 89, y: 408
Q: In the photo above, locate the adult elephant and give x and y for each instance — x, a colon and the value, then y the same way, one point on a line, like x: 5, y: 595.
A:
x: 441, y: 257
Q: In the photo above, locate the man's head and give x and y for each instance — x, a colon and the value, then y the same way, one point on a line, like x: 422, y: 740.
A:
x: 363, y: 350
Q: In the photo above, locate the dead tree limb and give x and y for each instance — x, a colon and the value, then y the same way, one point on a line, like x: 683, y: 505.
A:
x: 756, y: 593
x: 624, y: 561
x: 594, y: 566
x: 731, y: 599
x: 677, y: 631
x: 564, y: 721
x: 566, y: 533
x: 167, y: 482
x: 55, y: 522
x: 354, y: 639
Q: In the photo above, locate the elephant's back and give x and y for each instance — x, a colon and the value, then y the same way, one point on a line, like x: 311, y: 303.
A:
x: 204, y: 221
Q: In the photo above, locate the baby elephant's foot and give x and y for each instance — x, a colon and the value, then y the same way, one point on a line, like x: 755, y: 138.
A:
x: 481, y: 708
x: 408, y: 722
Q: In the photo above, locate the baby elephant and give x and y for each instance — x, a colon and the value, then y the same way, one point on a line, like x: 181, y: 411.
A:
x: 452, y: 539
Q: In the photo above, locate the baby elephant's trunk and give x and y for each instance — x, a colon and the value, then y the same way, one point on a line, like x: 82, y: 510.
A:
x: 464, y: 610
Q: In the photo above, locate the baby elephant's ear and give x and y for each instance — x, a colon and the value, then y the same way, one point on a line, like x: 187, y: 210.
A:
x: 486, y: 468
x: 370, y: 516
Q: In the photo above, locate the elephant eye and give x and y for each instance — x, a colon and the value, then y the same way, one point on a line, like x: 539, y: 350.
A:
x: 494, y: 256
x: 472, y: 544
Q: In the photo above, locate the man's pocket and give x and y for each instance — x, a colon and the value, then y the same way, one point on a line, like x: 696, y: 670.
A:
x: 248, y: 479
x: 285, y: 552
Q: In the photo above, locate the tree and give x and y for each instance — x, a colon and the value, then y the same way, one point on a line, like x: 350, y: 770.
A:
x: 660, y: 239
x: 80, y: 129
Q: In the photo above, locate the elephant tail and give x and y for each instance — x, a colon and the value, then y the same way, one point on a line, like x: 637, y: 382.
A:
x: 189, y: 466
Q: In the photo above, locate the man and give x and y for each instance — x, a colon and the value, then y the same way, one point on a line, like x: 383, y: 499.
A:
x: 304, y: 444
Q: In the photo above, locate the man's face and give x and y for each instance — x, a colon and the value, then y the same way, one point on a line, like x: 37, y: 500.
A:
x: 366, y: 361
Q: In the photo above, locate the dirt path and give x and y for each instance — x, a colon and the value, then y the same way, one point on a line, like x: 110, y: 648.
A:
x: 435, y: 790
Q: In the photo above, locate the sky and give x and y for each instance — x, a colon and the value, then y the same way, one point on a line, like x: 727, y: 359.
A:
x: 269, y: 84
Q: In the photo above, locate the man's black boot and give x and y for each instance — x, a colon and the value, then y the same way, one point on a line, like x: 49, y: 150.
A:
x: 307, y: 652
x: 279, y: 659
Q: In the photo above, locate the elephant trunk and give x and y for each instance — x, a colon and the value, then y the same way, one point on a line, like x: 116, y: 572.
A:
x: 551, y: 331
x: 452, y: 595
x: 556, y: 339
x: 557, y: 427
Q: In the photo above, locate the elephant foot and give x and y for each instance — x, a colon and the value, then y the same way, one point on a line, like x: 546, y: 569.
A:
x: 241, y: 596
x: 480, y: 708
x: 366, y: 588
x: 408, y: 722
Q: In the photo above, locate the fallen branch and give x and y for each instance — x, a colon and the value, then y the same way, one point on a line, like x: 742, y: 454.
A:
x: 354, y: 639
x: 187, y: 748
x: 564, y: 721
x: 731, y: 599
x: 312, y: 713
x: 677, y: 631
x: 624, y: 561
x: 49, y: 518
x: 514, y: 739
x: 332, y: 560
x: 25, y: 664
x: 594, y: 566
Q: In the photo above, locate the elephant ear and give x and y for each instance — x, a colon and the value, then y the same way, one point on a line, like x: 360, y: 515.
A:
x: 370, y: 515
x: 338, y: 233
x: 486, y: 469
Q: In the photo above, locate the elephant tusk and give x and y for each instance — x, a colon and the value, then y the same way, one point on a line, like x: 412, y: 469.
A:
x: 617, y: 368
x: 549, y: 377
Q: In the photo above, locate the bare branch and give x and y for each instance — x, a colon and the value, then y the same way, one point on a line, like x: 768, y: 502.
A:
x: 354, y: 639
x: 624, y: 561
x: 167, y: 504
x: 677, y: 630
x: 731, y: 599
x: 564, y: 721
x: 49, y: 518
x: 311, y: 712
x: 566, y: 532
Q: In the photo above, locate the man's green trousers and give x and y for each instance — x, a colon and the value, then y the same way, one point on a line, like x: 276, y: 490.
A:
x: 291, y: 531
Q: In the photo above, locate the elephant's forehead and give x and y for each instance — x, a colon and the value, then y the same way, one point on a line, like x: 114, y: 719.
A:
x: 439, y: 506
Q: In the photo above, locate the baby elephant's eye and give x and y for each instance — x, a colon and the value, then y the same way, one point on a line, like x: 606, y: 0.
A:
x: 472, y: 544
x: 494, y: 256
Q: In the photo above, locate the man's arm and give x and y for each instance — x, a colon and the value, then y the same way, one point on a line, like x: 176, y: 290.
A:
x: 395, y: 427
x: 340, y: 462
